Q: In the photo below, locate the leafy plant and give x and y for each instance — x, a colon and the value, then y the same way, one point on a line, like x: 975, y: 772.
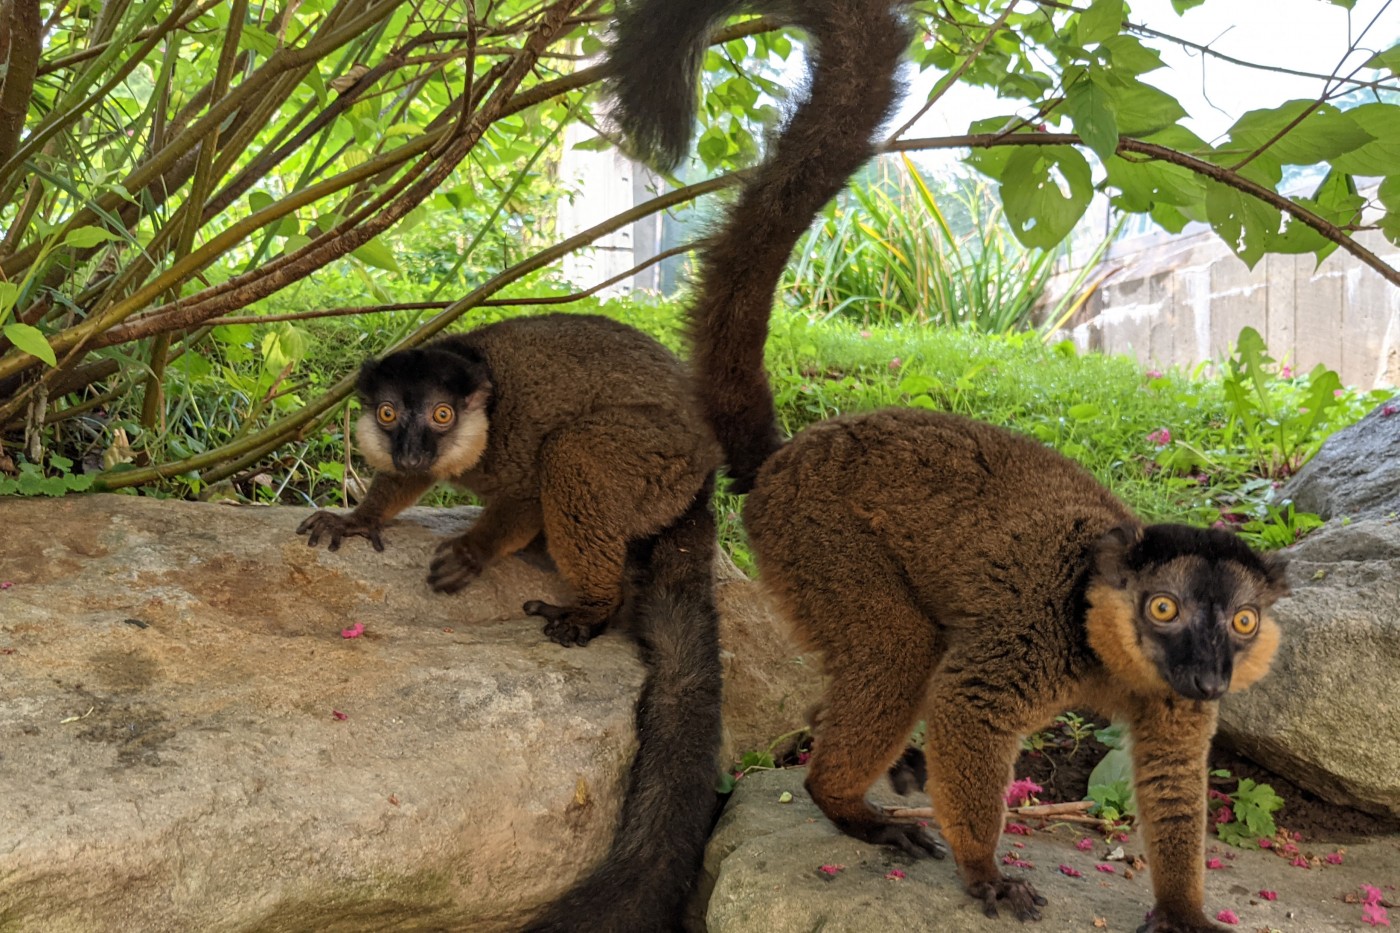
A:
x: 887, y: 253
x: 31, y: 480
x: 1251, y: 813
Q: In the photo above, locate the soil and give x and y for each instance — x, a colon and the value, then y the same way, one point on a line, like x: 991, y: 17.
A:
x: 1061, y: 767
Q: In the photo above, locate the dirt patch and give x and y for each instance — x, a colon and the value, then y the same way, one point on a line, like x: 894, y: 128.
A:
x: 1062, y: 758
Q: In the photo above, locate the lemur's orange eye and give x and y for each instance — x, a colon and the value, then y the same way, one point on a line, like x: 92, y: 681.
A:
x: 386, y: 414
x: 1245, y: 622
x: 443, y: 415
x: 1162, y: 608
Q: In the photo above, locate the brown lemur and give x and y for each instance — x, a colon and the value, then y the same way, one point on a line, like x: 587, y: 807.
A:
x: 576, y: 426
x: 945, y: 568
x: 585, y: 430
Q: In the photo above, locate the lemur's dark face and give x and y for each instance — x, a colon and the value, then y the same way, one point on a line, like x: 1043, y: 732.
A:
x: 423, y: 412
x: 1197, y: 602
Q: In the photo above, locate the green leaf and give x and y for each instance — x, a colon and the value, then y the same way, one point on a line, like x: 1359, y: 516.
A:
x: 1388, y: 59
x: 595, y: 144
x: 1086, y: 411
x: 1095, y: 121
x: 1125, y: 55
x: 1101, y: 21
x: 1311, y: 133
x: 1381, y: 155
x: 1246, y: 224
x: 1040, y: 211
x: 258, y: 40
x: 85, y: 237
x: 30, y: 340
x: 260, y: 200
x: 1143, y: 110
x: 9, y: 294
x: 377, y: 254
x: 1181, y: 6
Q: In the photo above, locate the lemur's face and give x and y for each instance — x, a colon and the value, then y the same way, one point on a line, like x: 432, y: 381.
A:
x: 1196, y: 601
x: 423, y: 412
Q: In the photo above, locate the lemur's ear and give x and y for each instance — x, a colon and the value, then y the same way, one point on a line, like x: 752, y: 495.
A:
x: 1111, y: 554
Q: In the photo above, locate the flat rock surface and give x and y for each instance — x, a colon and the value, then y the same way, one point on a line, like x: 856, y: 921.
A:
x: 765, y: 857
x: 173, y: 755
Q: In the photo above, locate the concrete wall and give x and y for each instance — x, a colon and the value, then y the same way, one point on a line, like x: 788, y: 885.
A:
x: 1181, y: 300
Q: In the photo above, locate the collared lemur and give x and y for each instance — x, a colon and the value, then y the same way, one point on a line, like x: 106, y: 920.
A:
x: 587, y: 431
x: 942, y: 567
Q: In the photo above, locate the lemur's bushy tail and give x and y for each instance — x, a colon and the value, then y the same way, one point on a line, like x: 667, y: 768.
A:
x: 654, y: 72
x: 854, y: 61
x: 643, y: 883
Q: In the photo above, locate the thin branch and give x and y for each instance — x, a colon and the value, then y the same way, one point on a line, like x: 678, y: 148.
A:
x: 527, y: 301
x: 951, y: 78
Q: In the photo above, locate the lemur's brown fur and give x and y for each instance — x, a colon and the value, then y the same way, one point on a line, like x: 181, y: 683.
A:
x: 942, y: 567
x: 585, y: 430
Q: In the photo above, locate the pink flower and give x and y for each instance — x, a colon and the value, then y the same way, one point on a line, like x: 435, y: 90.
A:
x: 1228, y: 916
x: 1388, y: 410
x: 1105, y: 868
x: 340, y: 717
x: 1268, y: 895
x: 1122, y: 837
x: 865, y: 335
x: 1266, y: 843
x: 1371, y: 910
x: 1161, y: 437
x: 1015, y: 862
x: 1285, y: 371
x: 1301, y: 862
x: 831, y: 870
x: 1333, y: 858
x: 1214, y: 863
x: 1217, y: 795
x: 802, y: 757
x: 1085, y: 844
x: 1070, y: 872
x: 354, y: 631
x: 894, y: 874
x: 1018, y: 829
x: 1338, y: 393
x: 896, y: 363
x: 1021, y: 791
x: 5, y: 585
x: 1223, y: 815
x: 1154, y: 374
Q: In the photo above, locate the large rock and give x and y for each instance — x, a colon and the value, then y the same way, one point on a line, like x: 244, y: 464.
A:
x: 172, y: 757
x: 1357, y: 472
x: 1328, y: 716
x: 765, y: 857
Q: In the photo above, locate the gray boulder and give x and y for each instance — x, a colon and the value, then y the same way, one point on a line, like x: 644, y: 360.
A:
x: 188, y: 742
x: 1328, y: 715
x: 1357, y: 471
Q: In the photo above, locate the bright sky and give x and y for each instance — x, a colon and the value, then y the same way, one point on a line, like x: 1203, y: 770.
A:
x: 1305, y: 35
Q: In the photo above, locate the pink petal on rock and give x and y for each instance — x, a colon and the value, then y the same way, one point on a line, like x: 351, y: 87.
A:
x: 354, y: 631
x: 1228, y: 916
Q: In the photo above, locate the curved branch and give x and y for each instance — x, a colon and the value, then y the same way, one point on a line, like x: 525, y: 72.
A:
x: 1164, y: 154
